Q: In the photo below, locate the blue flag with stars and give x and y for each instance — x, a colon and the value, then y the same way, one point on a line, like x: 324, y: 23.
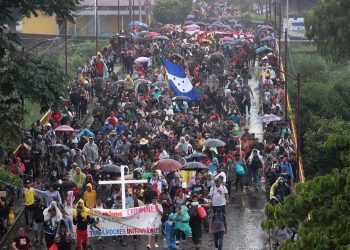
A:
x: 178, y: 80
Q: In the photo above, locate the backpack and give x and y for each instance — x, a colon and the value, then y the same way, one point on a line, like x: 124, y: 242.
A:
x: 239, y: 169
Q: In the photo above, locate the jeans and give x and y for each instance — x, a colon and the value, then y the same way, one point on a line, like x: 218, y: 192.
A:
x: 218, y: 239
x: 256, y: 177
x: 248, y: 104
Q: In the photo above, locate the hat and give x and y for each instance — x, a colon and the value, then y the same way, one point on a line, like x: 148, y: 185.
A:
x: 143, y: 141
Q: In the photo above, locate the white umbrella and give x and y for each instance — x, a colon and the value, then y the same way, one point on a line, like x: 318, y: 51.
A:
x: 268, y: 118
x: 142, y: 60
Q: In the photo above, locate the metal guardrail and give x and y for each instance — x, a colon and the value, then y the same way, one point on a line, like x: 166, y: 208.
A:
x: 293, y: 126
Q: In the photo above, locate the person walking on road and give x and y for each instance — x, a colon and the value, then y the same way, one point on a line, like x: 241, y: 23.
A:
x: 218, y: 228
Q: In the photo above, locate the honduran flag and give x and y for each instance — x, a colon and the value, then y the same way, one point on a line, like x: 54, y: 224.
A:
x: 178, y: 80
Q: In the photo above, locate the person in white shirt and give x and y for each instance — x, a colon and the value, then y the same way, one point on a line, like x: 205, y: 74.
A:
x: 219, y: 195
x: 222, y: 174
x: 159, y: 209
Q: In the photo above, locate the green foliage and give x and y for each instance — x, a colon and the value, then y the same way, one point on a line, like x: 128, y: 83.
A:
x: 329, y: 26
x: 320, y: 209
x: 246, y: 20
x: 171, y: 11
x: 8, y: 178
x: 321, y: 151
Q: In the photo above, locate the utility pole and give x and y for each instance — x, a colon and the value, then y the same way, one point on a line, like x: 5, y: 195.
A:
x: 65, y: 46
x: 280, y: 33
x: 287, y: 14
x: 275, y: 12
x: 96, y: 25
x: 118, y: 16
x: 130, y: 13
x: 270, y: 10
x: 286, y: 78
x: 299, y: 120
x: 140, y: 11
x: 267, y: 17
x: 133, y: 10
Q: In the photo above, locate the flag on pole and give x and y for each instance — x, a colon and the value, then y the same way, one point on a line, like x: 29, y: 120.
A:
x: 178, y: 80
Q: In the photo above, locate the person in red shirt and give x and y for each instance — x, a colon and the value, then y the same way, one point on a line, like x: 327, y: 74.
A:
x: 112, y: 120
x: 56, y: 116
x: 21, y: 242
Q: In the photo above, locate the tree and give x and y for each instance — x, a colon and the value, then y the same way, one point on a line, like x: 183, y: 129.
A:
x: 321, y: 211
x: 328, y: 25
x: 171, y: 11
x: 11, y: 11
x: 24, y: 76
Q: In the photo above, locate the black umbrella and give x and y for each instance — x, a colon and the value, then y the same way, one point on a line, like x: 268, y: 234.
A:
x: 60, y: 148
x: 194, y: 166
x: 199, y: 23
x: 214, y: 143
x: 196, y: 156
x: 110, y: 169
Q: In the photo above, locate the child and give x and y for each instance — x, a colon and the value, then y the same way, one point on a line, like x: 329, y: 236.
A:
x: 170, y: 232
x: 219, y: 228
x: 182, y: 226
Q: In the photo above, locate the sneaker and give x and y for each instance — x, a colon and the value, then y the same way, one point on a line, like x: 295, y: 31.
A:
x: 156, y: 245
x: 36, y: 242
x: 99, y: 238
x: 148, y: 246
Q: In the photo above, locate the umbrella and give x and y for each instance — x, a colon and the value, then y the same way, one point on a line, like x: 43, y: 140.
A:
x: 59, y: 148
x: 194, y: 166
x: 196, y: 156
x: 201, y: 23
x: 138, y: 24
x: 268, y: 38
x: 64, y: 128
x: 153, y: 34
x: 192, y: 26
x: 143, y: 33
x: 237, y: 26
x: 160, y: 84
x: 227, y: 39
x: 265, y: 27
x: 268, y: 118
x: 263, y: 49
x: 214, y: 143
x: 110, y: 169
x: 142, y: 59
x: 167, y: 165
x: 162, y: 38
x: 188, y: 22
x: 180, y: 97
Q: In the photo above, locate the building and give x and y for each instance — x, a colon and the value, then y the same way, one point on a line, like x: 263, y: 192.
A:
x: 113, y: 17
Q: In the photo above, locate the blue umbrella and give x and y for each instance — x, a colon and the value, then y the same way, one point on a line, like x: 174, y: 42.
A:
x: 138, y: 24
x: 237, y: 26
x: 262, y: 49
x: 162, y: 38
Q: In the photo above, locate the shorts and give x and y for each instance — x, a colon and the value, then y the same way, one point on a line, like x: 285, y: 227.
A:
x: 38, y: 226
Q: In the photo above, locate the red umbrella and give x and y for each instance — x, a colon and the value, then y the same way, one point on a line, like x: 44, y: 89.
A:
x: 153, y: 34
x: 168, y: 165
x: 64, y: 128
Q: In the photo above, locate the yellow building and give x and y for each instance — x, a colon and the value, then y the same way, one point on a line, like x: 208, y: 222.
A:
x: 108, y: 21
x: 43, y: 24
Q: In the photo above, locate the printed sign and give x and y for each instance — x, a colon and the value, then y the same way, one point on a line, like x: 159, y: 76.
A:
x: 143, y: 220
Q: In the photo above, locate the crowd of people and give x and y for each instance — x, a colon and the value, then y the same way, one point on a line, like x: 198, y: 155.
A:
x: 138, y: 120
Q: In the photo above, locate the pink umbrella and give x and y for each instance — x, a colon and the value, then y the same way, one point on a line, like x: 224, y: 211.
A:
x: 192, y: 26
x: 64, y: 128
x: 228, y: 39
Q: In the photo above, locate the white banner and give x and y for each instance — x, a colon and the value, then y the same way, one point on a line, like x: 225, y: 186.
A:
x: 143, y: 220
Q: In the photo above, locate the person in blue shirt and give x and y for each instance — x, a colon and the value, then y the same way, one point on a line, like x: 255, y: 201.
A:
x: 235, y: 117
x: 285, y: 165
x: 214, y: 165
x: 120, y: 127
